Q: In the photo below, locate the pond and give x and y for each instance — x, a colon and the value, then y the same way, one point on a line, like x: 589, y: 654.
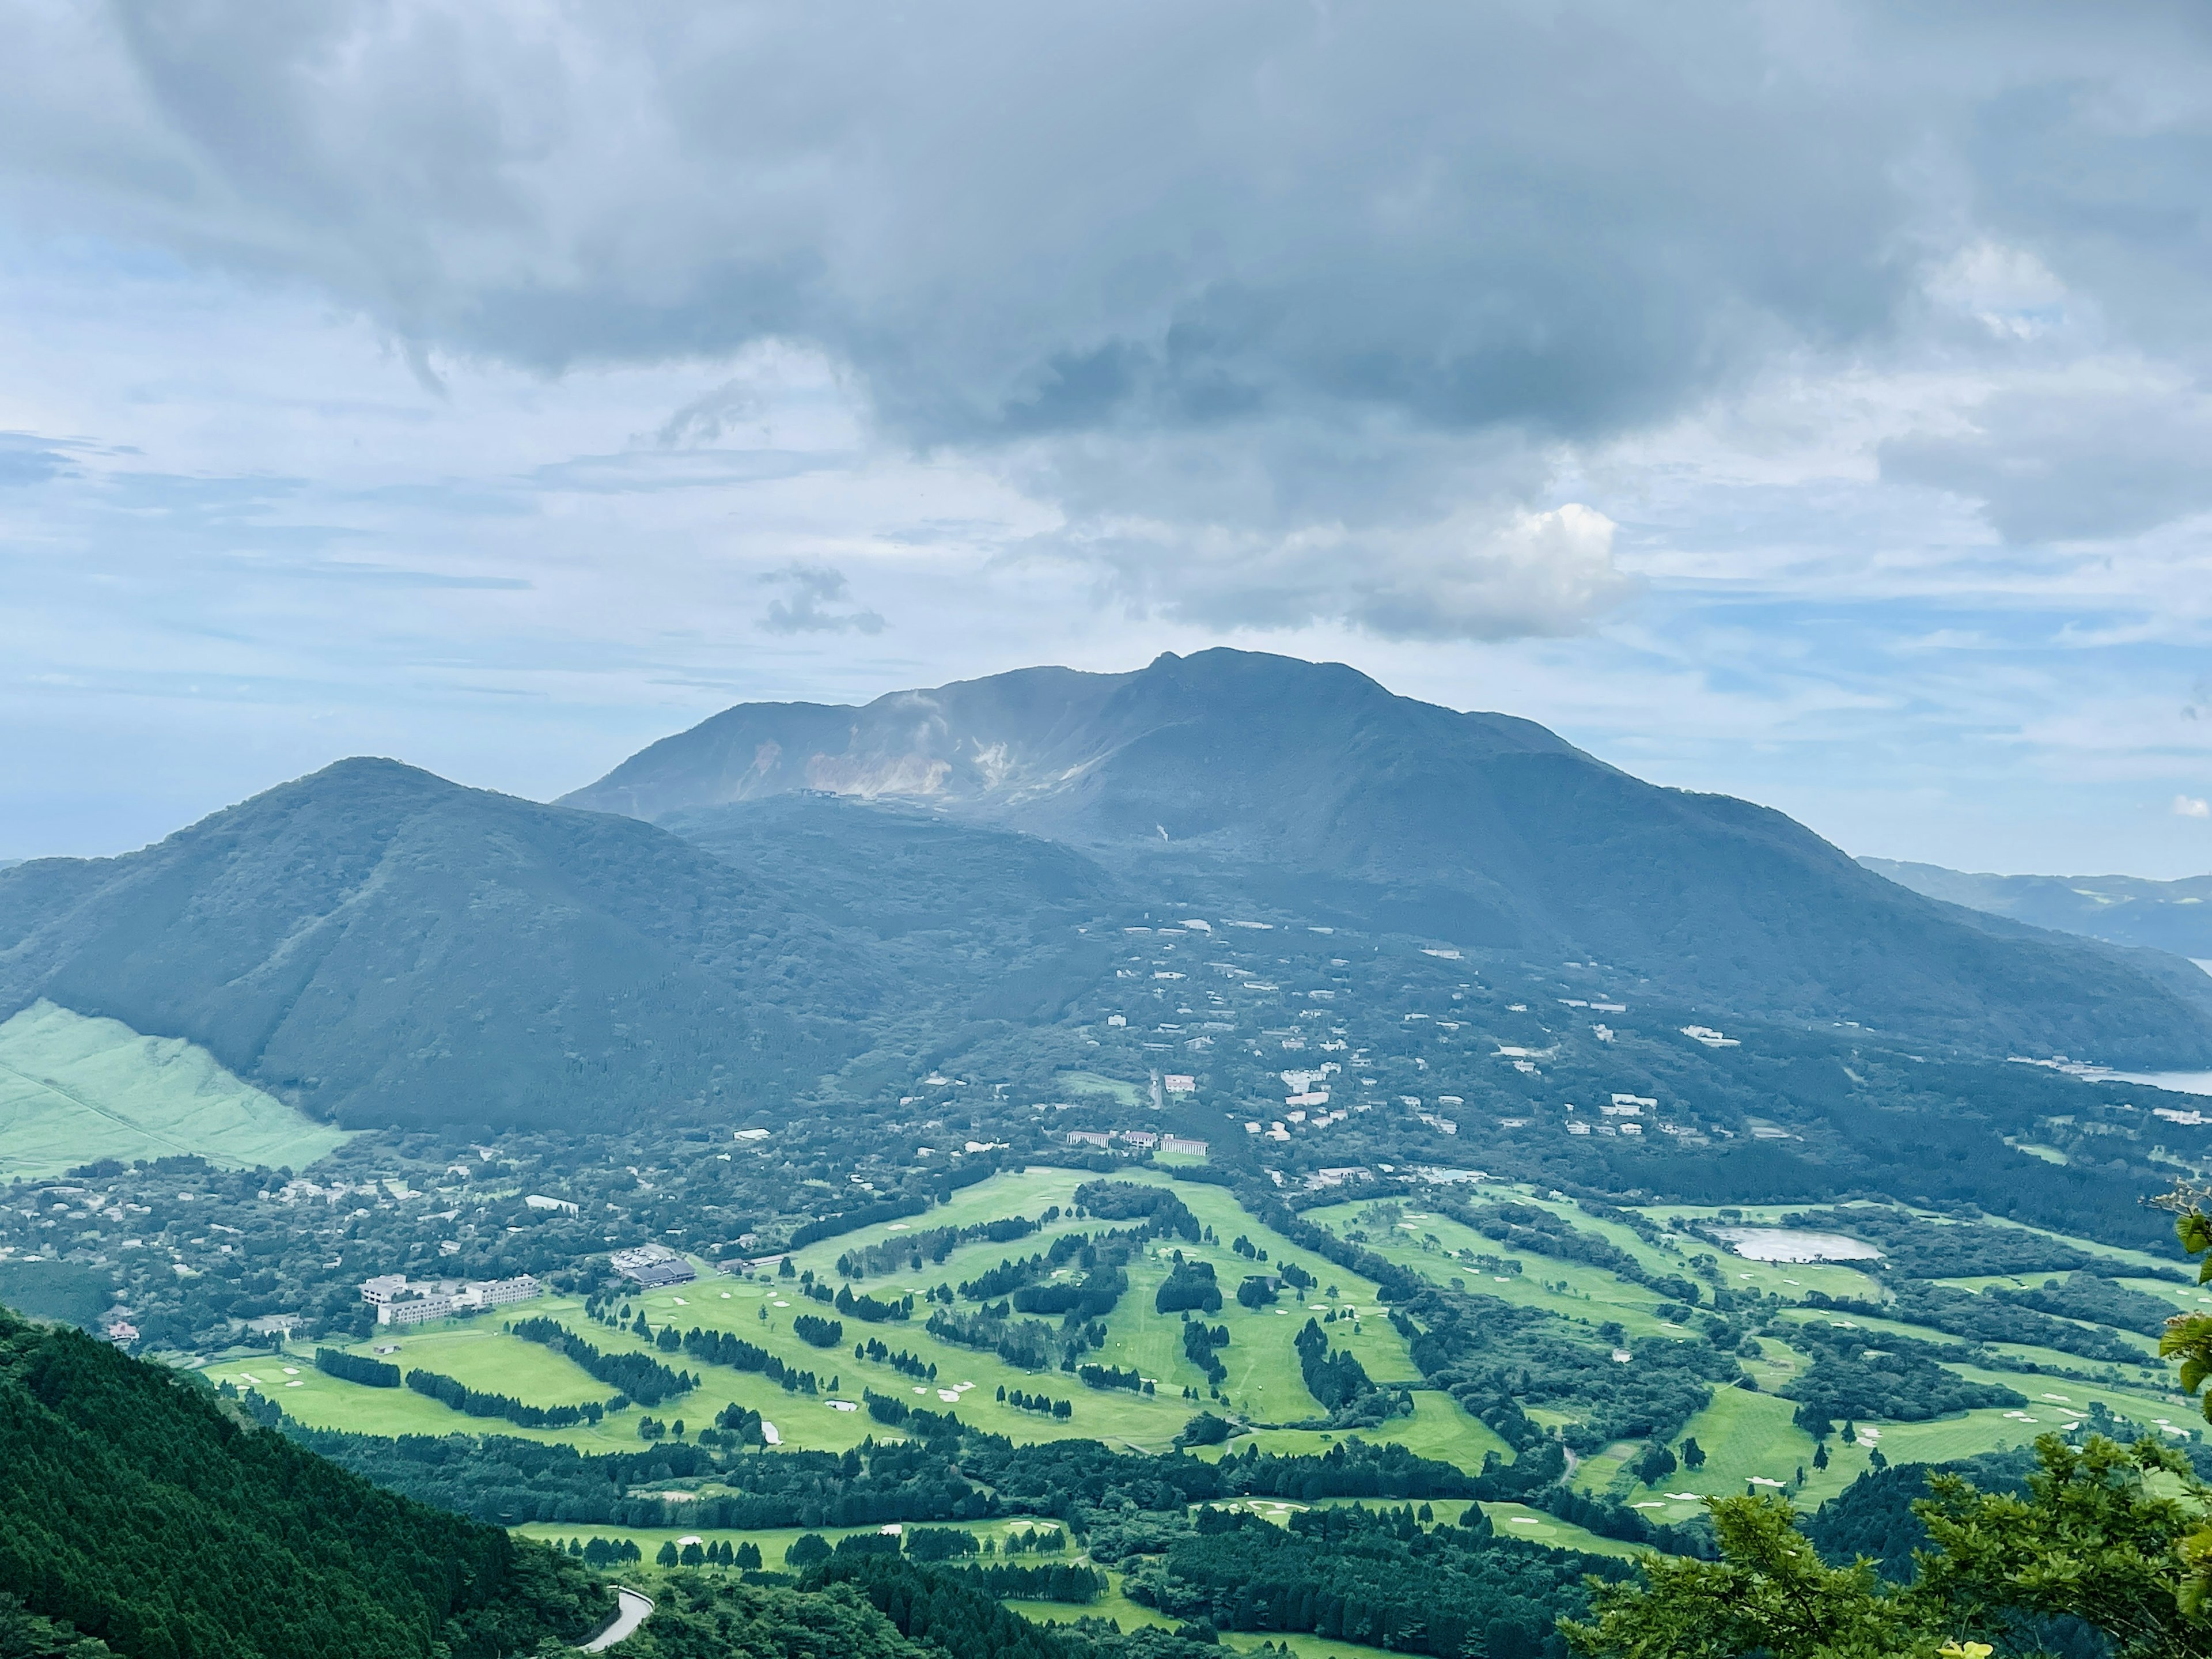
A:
x: 1790, y: 1244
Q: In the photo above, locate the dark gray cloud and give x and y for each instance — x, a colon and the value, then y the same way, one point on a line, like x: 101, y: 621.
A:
x: 1233, y: 282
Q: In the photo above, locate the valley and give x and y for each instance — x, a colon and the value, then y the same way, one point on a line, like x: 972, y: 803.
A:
x: 847, y: 1183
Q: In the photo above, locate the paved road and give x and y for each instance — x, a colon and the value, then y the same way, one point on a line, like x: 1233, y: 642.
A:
x: 631, y: 1611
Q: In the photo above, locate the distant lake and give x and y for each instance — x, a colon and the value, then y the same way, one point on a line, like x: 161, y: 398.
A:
x: 2181, y: 1083
x: 1790, y: 1244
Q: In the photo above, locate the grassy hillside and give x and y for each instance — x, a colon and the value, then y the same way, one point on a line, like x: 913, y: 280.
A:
x: 75, y: 1090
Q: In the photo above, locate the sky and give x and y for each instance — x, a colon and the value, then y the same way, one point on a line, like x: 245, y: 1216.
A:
x: 1806, y: 402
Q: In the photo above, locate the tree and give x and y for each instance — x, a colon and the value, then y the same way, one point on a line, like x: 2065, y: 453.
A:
x: 1769, y: 1592
x: 748, y: 1555
x: 1655, y: 1465
x: 1820, y: 1456
x: 2112, y: 1535
x: 667, y: 1558
x: 1693, y: 1454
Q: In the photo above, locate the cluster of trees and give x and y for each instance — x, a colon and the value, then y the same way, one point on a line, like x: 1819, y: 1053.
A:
x: 1910, y: 1249
x: 1043, y: 1404
x: 1855, y: 1374
x: 452, y: 1391
x: 871, y: 1309
x: 358, y: 1367
x: 2102, y: 1301
x: 817, y: 1332
x: 1200, y: 1340
x: 1006, y: 1278
x: 1495, y: 1359
x: 646, y: 1381
x: 1334, y: 1377
x: 1378, y: 1578
x: 1256, y: 1291
x: 1165, y: 1215
x: 1189, y: 1287
x: 1029, y: 1343
x: 722, y: 1348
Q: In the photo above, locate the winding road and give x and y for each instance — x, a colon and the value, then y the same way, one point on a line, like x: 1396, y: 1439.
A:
x: 631, y: 1610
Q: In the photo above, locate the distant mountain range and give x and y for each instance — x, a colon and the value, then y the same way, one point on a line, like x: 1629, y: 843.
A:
x: 1233, y: 773
x: 2160, y: 915
x: 837, y: 896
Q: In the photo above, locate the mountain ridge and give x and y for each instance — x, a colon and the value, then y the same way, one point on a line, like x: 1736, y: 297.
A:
x: 2174, y: 916
x: 1309, y: 784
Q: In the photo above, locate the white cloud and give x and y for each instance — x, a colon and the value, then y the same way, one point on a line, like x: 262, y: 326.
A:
x: 2188, y: 806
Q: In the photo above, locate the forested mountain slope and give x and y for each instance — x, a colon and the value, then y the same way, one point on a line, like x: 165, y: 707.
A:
x: 136, y: 1513
x: 1309, y: 785
x: 381, y: 946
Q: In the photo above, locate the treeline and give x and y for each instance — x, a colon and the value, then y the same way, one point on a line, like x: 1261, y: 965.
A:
x: 1113, y: 1376
x: 894, y: 1412
x: 1043, y: 1404
x: 358, y: 1367
x: 1382, y: 1579
x: 1526, y: 1227
x: 847, y: 1221
x: 898, y: 1255
x: 646, y: 1381
x: 1056, y: 1581
x: 1986, y: 1318
x: 722, y: 1348
x: 1858, y: 1374
x: 1913, y: 1248
x: 905, y: 1364
x: 2085, y: 1296
x: 942, y: 1472
x: 450, y: 1391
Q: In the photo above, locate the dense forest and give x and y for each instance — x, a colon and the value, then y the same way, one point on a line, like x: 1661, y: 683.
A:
x: 140, y: 1513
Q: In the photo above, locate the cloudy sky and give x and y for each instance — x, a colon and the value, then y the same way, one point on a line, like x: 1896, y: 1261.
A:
x: 1804, y: 401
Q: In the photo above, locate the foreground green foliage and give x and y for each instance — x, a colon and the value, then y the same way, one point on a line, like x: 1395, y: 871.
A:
x: 133, y: 1510
x: 2093, y: 1541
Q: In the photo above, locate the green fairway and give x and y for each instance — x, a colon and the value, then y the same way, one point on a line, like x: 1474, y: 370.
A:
x: 1264, y: 1380
x: 75, y: 1090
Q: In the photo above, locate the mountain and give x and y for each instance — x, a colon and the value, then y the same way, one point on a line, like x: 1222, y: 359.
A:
x: 2174, y: 916
x: 379, y: 946
x: 143, y: 1519
x: 1234, y: 775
